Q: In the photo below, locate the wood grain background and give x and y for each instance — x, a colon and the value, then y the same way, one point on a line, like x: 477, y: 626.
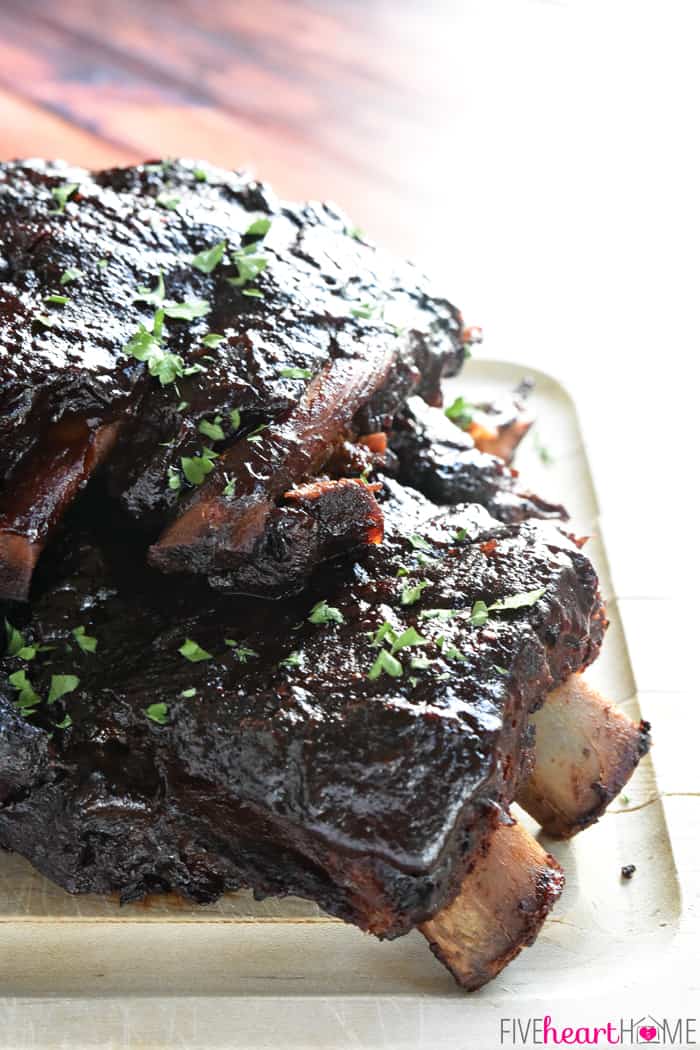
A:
x: 335, y: 99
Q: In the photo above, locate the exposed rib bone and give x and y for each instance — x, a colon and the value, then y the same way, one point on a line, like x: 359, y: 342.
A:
x: 499, y: 909
x: 51, y: 476
x: 216, y: 529
x: 585, y: 751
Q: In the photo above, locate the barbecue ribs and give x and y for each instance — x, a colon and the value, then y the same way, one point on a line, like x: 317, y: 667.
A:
x: 210, y: 399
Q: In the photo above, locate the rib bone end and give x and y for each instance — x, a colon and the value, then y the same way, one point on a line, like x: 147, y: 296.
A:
x: 500, y: 908
x: 586, y: 751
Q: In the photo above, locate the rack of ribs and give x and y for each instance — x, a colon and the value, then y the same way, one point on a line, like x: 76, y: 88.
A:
x: 273, y: 621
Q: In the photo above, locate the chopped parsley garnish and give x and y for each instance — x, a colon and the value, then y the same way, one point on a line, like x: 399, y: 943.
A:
x: 420, y: 663
x: 418, y: 543
x: 230, y: 486
x: 386, y: 631
x: 258, y: 229
x: 235, y: 417
x: 439, y: 614
x: 168, y: 200
x: 385, y: 663
x: 200, y: 174
x: 241, y: 652
x: 460, y: 412
x: 212, y: 429
x: 85, y: 641
x: 27, y: 698
x: 72, y: 273
x: 212, y: 339
x: 65, y: 723
x: 174, y: 479
x: 322, y: 612
x: 196, y: 468
x: 410, y: 595
x: 542, y: 451
x: 501, y: 670
x: 145, y: 346
x: 44, y: 319
x: 15, y: 640
x: 188, y: 693
x: 102, y: 264
x: 62, y: 194
x: 157, y: 713
x: 293, y: 660
x: 254, y: 435
x: 479, y: 614
x: 193, y: 652
x: 463, y: 534
x: 295, y: 373
x: 182, y: 406
x: 152, y: 296
x: 355, y: 232
x: 57, y: 300
x: 249, y: 266
x: 625, y: 800
x: 518, y: 601
x: 188, y: 311
x: 253, y: 293
x: 409, y: 637
x: 365, y: 311
x: 210, y: 258
x: 60, y: 685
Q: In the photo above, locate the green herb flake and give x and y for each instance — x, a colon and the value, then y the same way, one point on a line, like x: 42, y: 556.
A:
x: 174, y: 479
x: 461, y: 412
x: 62, y: 194
x: 322, y: 612
x: 196, y: 468
x: 188, y: 311
x: 479, y: 614
x: 518, y: 601
x: 15, y: 639
x: 410, y: 595
x: 187, y: 694
x: 241, y: 652
x: 60, y: 685
x: 254, y: 435
x: 27, y: 696
x: 170, y: 201
x: 235, y: 417
x: 45, y: 320
x: 418, y: 543
x: 249, y: 267
x: 57, y: 300
x: 200, y: 174
x: 625, y: 800
x: 295, y: 373
x: 252, y: 293
x: 212, y: 339
x: 409, y: 637
x: 258, y: 229
x: 151, y: 296
x: 85, y: 641
x: 293, y: 660
x: 193, y: 652
x: 385, y: 663
x: 102, y: 264
x: 439, y: 614
x: 65, y: 723
x: 230, y: 486
x: 420, y: 663
x: 212, y: 429
x: 182, y: 406
x: 70, y: 274
x: 501, y: 670
x: 365, y: 311
x: 157, y: 713
x: 542, y: 451
x: 210, y: 258
x: 386, y: 631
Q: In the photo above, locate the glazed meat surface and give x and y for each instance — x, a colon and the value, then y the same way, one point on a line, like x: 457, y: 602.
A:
x: 353, y: 744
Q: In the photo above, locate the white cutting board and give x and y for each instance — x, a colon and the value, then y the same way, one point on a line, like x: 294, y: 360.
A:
x: 280, y: 973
